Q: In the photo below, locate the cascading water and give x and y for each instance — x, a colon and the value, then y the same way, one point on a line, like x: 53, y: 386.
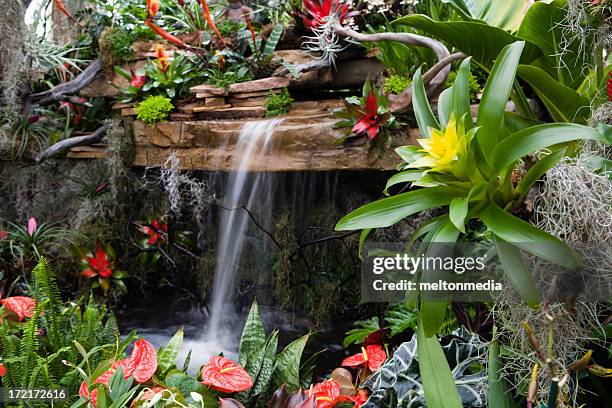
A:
x: 246, y: 193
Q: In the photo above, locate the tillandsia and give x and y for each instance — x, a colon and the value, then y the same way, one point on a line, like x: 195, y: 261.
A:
x: 368, y: 116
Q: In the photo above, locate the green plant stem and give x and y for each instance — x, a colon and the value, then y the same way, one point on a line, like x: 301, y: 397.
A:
x: 521, y: 101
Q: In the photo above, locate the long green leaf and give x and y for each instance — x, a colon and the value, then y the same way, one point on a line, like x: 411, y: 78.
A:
x: 420, y: 104
x: 438, y: 383
x: 507, y: 15
x: 253, y: 335
x: 386, y: 212
x: 536, y: 172
x: 563, y: 103
x: 528, y: 237
x: 273, y: 40
x: 445, y: 106
x: 458, y: 211
x: 530, y: 140
x: 288, y: 364
x: 461, y: 95
x: 499, y: 393
x: 166, y: 359
x: 517, y: 272
x: 495, y: 96
x: 407, y: 176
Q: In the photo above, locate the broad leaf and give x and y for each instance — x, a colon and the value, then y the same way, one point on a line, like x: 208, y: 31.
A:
x: 420, y: 104
x: 528, y: 237
x: 461, y: 106
x: 288, y: 364
x: 388, y: 211
x: 521, y: 277
x: 253, y: 335
x: 166, y: 358
x: 499, y: 393
x: 445, y: 106
x: 407, y: 176
x: 507, y: 15
x: 458, y: 212
x: 495, y: 96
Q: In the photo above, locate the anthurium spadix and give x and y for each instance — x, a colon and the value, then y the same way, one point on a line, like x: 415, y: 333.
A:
x: 469, y: 167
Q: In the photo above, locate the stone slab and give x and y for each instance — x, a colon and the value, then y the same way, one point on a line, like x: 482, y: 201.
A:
x: 208, y: 89
x: 258, y: 85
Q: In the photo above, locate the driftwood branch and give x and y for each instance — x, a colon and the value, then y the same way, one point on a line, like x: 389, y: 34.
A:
x: 69, y: 88
x: 64, y: 145
x: 435, y: 77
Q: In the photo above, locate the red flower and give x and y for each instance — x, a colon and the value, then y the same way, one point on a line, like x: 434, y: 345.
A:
x: 358, y: 400
x: 155, y: 231
x: 610, y: 87
x: 152, y: 8
x: 162, y: 57
x: 224, y: 375
x: 60, y: 6
x: 2, y: 370
x: 370, y: 121
x: 99, y: 264
x: 3, y: 235
x: 318, y: 10
x: 164, y: 34
x: 137, y: 80
x: 326, y: 393
x: 141, y: 364
x: 20, y: 305
x: 372, y: 357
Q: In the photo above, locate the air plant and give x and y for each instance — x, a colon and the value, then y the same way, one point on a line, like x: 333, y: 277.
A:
x: 316, y: 12
x: 28, y: 242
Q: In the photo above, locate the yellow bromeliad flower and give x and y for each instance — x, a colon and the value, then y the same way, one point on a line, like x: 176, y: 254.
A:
x: 444, y: 150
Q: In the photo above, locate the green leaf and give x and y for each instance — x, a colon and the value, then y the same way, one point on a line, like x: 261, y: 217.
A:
x: 528, y: 237
x: 458, y: 211
x: 253, y: 335
x: 362, y: 237
x: 273, y: 40
x: 438, y: 383
x: 517, y: 272
x: 407, y: 176
x: 288, y: 364
x: 420, y: 104
x: 267, y: 367
x: 388, y: 211
x: 166, y: 359
x: 507, y: 15
x: 499, y: 393
x: 445, y: 106
x: 496, y: 95
x: 530, y: 140
x: 461, y: 105
x: 468, y: 38
x: 563, y: 103
x: 515, y: 122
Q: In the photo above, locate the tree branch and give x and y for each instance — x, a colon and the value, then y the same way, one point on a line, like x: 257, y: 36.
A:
x: 64, y: 145
x: 70, y: 87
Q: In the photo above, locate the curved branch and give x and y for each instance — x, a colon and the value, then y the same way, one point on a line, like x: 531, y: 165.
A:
x: 436, y: 76
x: 70, y: 87
x: 64, y: 145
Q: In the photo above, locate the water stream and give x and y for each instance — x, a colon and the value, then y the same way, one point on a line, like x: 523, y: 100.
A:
x: 247, y: 194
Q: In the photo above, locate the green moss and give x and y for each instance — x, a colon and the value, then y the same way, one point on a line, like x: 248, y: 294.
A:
x: 279, y: 104
x: 396, y: 84
x: 154, y: 109
x: 115, y: 46
x: 475, y: 87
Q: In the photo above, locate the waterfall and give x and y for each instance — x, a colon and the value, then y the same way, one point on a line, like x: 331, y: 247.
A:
x: 245, y: 189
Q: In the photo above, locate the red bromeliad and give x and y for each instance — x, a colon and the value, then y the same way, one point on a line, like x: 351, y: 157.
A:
x: 21, y: 306
x: 156, y: 231
x: 224, y: 375
x: 211, y: 22
x: 99, y: 264
x: 318, y: 10
x: 162, y: 58
x: 137, y: 81
x: 370, y: 120
x: 371, y: 357
x: 141, y: 365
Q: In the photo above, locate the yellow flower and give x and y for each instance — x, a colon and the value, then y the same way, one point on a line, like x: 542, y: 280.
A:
x: 443, y: 149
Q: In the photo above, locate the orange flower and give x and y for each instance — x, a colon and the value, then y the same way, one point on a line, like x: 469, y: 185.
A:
x: 162, y: 57
x: 152, y: 8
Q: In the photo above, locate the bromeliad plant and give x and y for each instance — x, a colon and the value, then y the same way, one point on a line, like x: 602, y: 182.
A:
x: 470, y: 169
x: 101, y: 267
x: 367, y: 116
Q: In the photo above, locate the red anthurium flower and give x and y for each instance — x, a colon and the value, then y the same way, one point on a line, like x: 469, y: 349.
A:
x: 372, y: 357
x: 370, y: 121
x: 318, y: 10
x: 156, y: 231
x: 2, y: 370
x: 224, y: 375
x: 326, y: 393
x: 137, y: 80
x: 357, y: 400
x: 99, y: 264
x: 20, y: 305
x: 141, y: 365
x: 610, y: 87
